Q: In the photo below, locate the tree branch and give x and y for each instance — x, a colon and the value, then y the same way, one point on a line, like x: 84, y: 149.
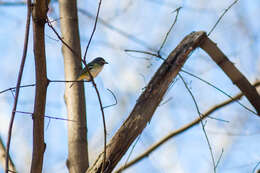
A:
x: 181, y: 130
x: 152, y: 96
x: 40, y: 9
x: 147, y: 103
x: 28, y: 19
x: 232, y: 72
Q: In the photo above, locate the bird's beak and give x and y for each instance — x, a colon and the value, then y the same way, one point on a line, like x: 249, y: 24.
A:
x: 106, y: 62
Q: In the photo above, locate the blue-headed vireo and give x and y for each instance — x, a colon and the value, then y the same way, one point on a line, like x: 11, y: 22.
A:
x: 94, y: 67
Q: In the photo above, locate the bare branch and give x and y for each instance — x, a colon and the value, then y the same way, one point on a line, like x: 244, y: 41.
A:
x: 21, y: 3
x: 114, y: 99
x: 147, y: 103
x: 93, y: 31
x: 145, y: 52
x: 218, y: 89
x: 158, y: 54
x: 201, y: 122
x: 28, y: 19
x: 222, y: 15
x: 208, y: 83
x: 50, y: 117
x: 39, y: 15
x: 63, y: 42
x: 177, y: 10
x: 232, y: 72
x: 181, y: 130
x: 12, y: 88
x: 218, y: 161
x: 140, y: 115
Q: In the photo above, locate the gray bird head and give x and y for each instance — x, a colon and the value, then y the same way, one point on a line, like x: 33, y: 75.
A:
x: 100, y: 61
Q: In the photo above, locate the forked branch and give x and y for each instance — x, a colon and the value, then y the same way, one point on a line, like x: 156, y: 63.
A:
x: 147, y: 103
x: 157, y: 87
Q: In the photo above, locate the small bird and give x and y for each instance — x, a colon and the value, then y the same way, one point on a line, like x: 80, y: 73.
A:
x: 95, y: 67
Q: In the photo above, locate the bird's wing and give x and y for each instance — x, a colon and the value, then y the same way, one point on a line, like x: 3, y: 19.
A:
x: 84, y: 71
x: 90, y: 66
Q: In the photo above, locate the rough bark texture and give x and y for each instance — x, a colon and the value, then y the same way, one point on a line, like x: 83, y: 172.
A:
x: 77, y: 161
x: 39, y: 18
x: 233, y: 73
x: 147, y: 103
x: 154, y: 92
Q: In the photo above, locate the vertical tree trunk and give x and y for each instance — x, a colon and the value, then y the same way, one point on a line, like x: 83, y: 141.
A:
x: 39, y: 19
x: 77, y: 161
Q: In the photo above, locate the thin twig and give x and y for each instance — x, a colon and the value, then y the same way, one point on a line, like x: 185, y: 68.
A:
x: 65, y: 81
x: 12, y: 88
x: 104, y: 125
x: 50, y: 117
x: 208, y: 83
x: 166, y: 101
x: 114, y: 99
x: 59, y: 37
x: 145, y: 52
x: 27, y: 28
x: 158, y: 54
x: 132, y: 149
x: 222, y: 15
x: 93, y: 31
x: 13, y: 94
x: 12, y: 3
x: 218, y: 119
x: 177, y: 10
x: 202, y: 125
x: 221, y: 154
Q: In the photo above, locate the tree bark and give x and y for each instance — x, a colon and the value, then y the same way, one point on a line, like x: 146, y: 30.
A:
x: 232, y: 72
x: 155, y: 90
x: 74, y: 97
x: 147, y: 103
x: 39, y: 20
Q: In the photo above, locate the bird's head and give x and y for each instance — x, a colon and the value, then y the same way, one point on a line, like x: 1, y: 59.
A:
x: 100, y: 61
